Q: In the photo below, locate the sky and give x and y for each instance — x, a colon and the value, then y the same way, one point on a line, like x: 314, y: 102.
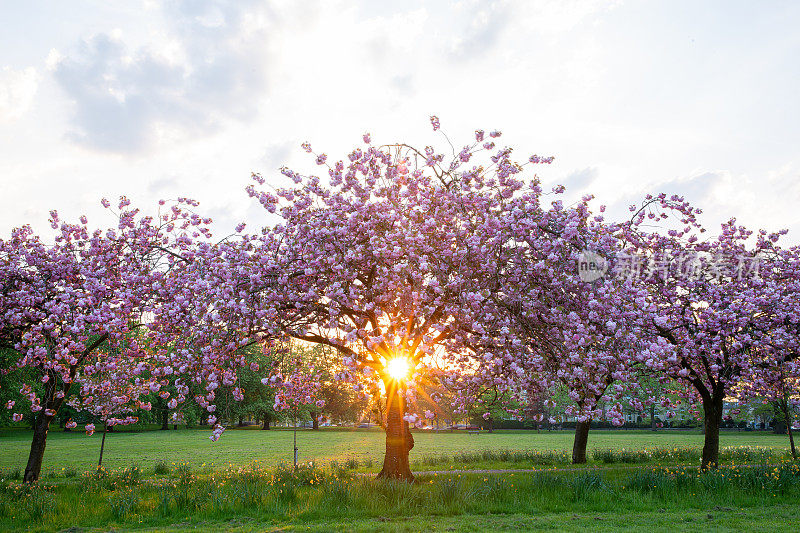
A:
x: 175, y: 99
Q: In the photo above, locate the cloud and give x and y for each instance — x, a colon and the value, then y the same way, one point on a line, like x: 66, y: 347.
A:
x: 404, y: 83
x: 17, y: 90
x: 579, y: 179
x: 483, y: 33
x: 212, y: 66
x: 162, y: 184
x: 276, y: 155
x: 696, y: 188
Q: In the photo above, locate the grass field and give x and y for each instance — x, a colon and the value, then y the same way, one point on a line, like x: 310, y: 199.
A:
x: 764, y: 520
x: 182, y: 481
x: 751, y: 498
x: 239, y: 447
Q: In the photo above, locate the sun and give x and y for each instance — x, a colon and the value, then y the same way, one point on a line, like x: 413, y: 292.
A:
x: 398, y: 368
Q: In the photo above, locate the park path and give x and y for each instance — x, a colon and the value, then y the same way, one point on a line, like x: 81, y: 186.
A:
x: 503, y: 470
x: 551, y: 469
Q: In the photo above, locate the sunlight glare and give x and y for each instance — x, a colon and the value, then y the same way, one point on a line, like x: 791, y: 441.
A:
x: 398, y: 368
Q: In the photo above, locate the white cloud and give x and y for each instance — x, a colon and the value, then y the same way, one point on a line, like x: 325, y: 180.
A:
x: 187, y: 98
x: 17, y: 91
x: 213, y: 66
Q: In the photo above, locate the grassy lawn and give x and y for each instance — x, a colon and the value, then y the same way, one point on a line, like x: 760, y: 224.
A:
x: 237, y: 484
x: 239, y: 447
x: 767, y: 520
x: 761, y: 498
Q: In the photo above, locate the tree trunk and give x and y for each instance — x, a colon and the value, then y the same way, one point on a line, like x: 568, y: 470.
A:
x: 314, y: 420
x: 399, y: 440
x: 34, y: 466
x: 102, y: 445
x: 266, y: 423
x: 241, y: 421
x: 41, y: 425
x: 490, y: 425
x: 581, y: 439
x: 295, y: 444
x: 652, y: 417
x: 785, y: 408
x: 712, y: 406
x: 165, y: 419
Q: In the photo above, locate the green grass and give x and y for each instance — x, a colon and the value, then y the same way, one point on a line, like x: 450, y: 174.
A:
x: 365, y: 447
x: 767, y: 520
x: 179, y: 480
x: 246, y: 499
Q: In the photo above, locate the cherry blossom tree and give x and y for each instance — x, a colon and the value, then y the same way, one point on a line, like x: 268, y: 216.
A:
x: 720, y: 304
x: 110, y: 397
x: 68, y: 308
x: 774, y: 374
x: 393, y: 264
x: 579, y: 329
x: 777, y: 381
x: 297, y: 388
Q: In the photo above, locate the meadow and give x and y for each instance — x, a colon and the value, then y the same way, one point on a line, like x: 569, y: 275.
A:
x: 756, y: 498
x: 180, y: 481
x: 432, y: 451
